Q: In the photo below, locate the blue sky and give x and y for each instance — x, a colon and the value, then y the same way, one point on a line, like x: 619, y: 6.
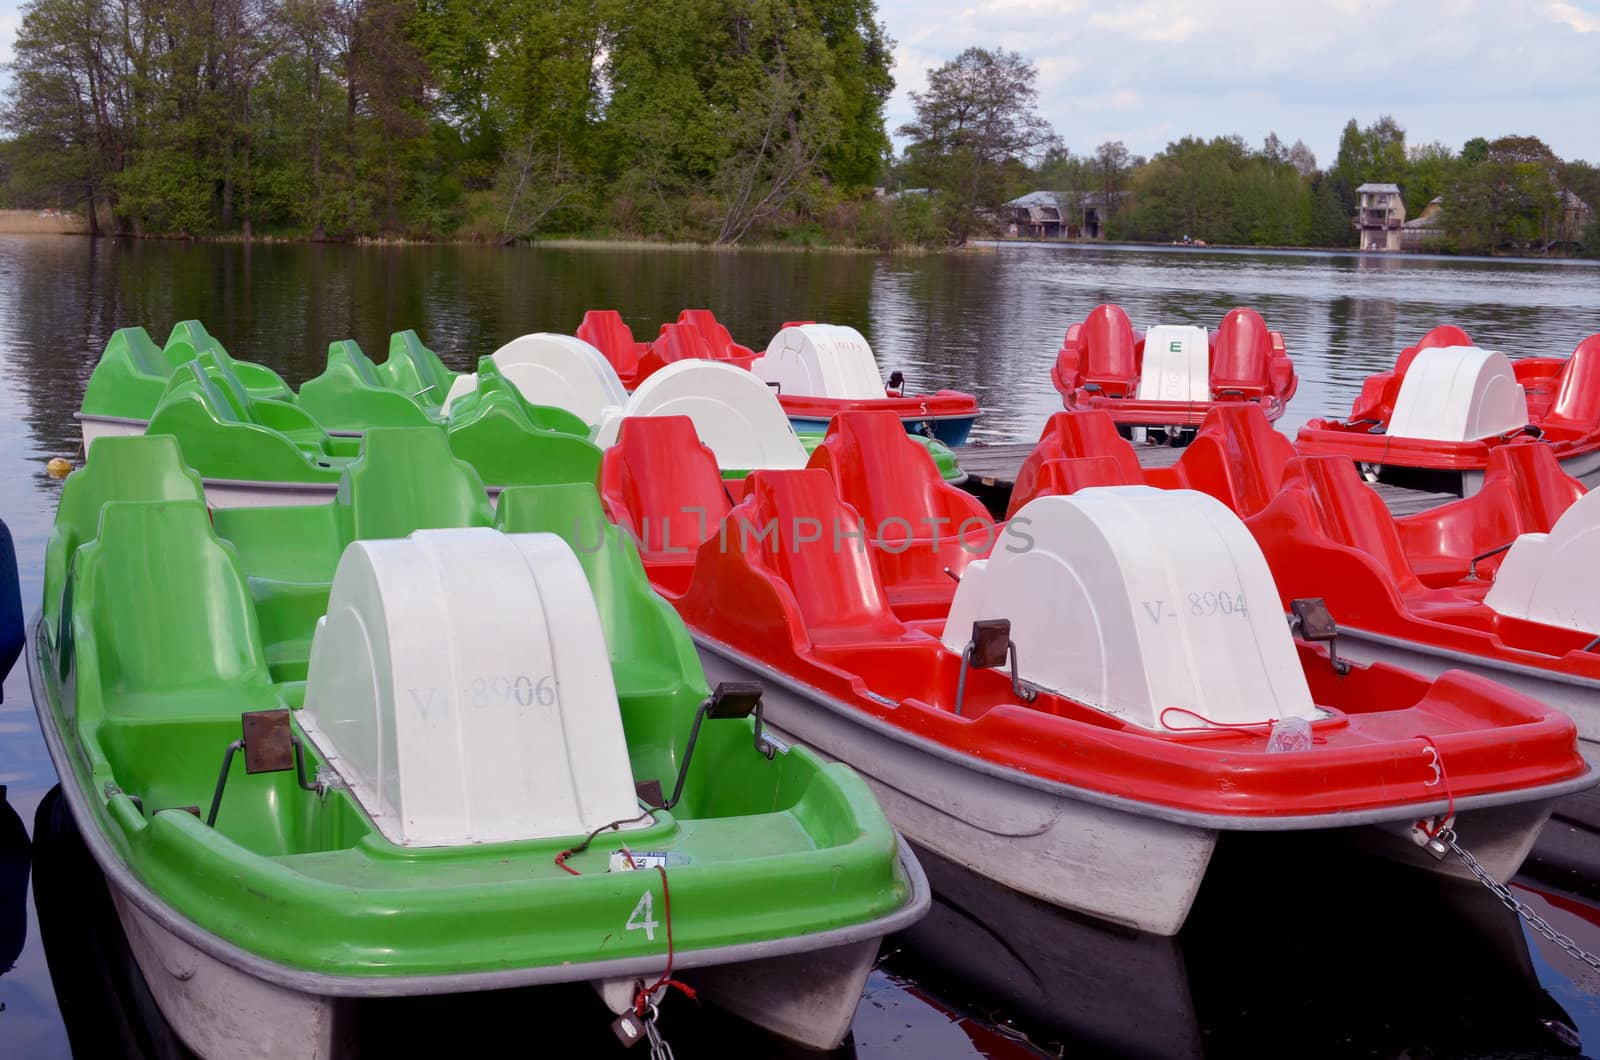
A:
x: 1149, y: 71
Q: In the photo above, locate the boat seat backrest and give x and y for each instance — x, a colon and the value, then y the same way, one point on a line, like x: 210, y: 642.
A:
x: 717, y: 337
x: 663, y: 486
x: 890, y: 479
x: 415, y: 370
x: 1067, y: 435
x: 125, y: 468
x: 207, y: 634
x: 1577, y: 400
x: 347, y: 356
x: 407, y: 479
x: 1059, y: 478
x: 192, y: 379
x: 135, y: 346
x: 1241, y: 354
x: 794, y: 524
x: 606, y: 331
x: 1437, y: 338
x: 1236, y: 457
x: 1108, y: 358
x: 1349, y: 512
x: 1540, y: 491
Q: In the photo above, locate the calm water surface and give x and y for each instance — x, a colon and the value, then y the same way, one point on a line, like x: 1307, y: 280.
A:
x: 987, y: 322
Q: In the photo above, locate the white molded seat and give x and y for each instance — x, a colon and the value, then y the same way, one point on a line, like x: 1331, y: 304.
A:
x: 1134, y: 600
x: 460, y: 686
x: 1177, y: 364
x: 555, y: 370
x: 1554, y: 578
x: 736, y: 415
x: 821, y: 360
x: 1458, y: 394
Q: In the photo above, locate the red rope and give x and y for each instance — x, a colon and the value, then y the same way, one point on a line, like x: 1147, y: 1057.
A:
x: 1162, y: 718
x: 1450, y: 796
x: 666, y: 979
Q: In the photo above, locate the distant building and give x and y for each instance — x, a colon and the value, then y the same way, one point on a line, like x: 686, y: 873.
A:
x: 1379, y: 216
x: 1426, y: 230
x: 1576, y: 215
x: 1056, y: 215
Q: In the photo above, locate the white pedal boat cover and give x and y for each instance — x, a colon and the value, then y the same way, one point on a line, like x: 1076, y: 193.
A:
x: 561, y: 371
x: 1458, y: 394
x: 1176, y: 366
x: 1135, y: 600
x: 821, y: 360
x: 1554, y: 578
x: 736, y: 415
x: 460, y: 685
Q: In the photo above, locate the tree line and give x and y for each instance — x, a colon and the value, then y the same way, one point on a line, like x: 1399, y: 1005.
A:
x: 719, y: 121
x: 436, y: 118
x: 978, y: 140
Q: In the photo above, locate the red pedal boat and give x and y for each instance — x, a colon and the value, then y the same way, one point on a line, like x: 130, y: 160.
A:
x: 1167, y: 378
x: 1095, y: 702
x: 1446, y: 405
x: 819, y: 370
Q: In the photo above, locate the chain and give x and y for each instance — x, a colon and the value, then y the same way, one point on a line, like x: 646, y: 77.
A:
x: 659, y: 1049
x: 1515, y: 904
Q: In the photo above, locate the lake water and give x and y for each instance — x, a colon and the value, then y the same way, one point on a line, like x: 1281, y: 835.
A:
x: 1262, y: 967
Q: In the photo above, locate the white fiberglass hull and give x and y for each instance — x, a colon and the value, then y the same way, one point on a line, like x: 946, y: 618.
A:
x: 1112, y: 858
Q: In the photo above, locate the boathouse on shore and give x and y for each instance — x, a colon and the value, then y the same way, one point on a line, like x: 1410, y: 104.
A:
x: 1379, y: 216
x: 1056, y: 215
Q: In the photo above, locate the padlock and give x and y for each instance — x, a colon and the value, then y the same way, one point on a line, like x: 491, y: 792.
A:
x: 628, y: 1028
x: 1429, y: 838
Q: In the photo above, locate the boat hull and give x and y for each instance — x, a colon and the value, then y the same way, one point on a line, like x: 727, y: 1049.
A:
x: 225, y: 1001
x: 1115, y: 859
x: 245, y: 493
x: 951, y: 430
x: 103, y: 426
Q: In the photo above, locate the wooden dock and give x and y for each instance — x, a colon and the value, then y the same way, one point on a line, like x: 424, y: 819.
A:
x: 992, y: 472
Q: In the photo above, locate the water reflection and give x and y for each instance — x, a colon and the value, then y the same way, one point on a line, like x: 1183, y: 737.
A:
x: 1298, y: 954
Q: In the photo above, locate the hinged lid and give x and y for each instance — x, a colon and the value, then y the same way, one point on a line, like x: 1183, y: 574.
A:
x: 1177, y: 364
x: 821, y: 360
x: 1458, y: 394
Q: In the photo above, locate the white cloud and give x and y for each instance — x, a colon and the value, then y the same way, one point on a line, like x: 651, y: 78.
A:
x: 1148, y: 71
x: 1575, y: 17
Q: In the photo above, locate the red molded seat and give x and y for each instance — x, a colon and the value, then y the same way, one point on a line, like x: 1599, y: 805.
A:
x: 663, y: 487
x: 717, y: 337
x: 1236, y: 457
x: 605, y: 330
x: 1075, y: 434
x: 1241, y: 355
x: 1058, y: 478
x: 1524, y: 491
x: 1107, y: 355
x: 1575, y: 410
x: 1350, y: 513
x: 790, y: 523
x: 918, y: 525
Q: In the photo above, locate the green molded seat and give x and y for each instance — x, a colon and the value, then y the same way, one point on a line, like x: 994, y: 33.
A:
x: 190, y: 339
x: 352, y: 394
x: 406, y: 479
x: 161, y: 618
x: 129, y: 378
x: 416, y: 371
x: 258, y: 440
x: 651, y: 651
x: 492, y: 429
x: 118, y: 468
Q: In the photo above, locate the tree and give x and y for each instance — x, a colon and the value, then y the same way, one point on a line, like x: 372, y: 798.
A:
x: 975, y: 119
x: 1303, y: 161
x: 1112, y: 164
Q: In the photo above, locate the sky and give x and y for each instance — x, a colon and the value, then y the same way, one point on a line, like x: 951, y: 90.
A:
x: 1147, y: 72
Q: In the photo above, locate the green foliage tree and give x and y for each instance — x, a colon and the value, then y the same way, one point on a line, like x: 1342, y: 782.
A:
x: 975, y: 124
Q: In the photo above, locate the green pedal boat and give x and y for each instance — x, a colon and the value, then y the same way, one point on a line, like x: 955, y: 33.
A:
x: 526, y: 417
x: 404, y: 743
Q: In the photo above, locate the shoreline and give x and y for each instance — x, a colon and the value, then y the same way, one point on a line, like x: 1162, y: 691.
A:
x: 30, y: 222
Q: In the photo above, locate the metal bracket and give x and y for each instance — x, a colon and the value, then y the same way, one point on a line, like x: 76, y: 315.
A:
x: 730, y: 700
x: 1311, y: 620
x: 1472, y: 568
x: 270, y: 746
x: 991, y: 646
